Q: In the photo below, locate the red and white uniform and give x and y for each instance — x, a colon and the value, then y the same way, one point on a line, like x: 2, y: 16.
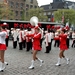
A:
x: 73, y: 35
x: 2, y: 40
x: 28, y: 39
x: 25, y: 31
x: 20, y: 36
x: 15, y: 34
x: 48, y: 38
x: 36, y: 40
x: 56, y: 34
x: 62, y: 38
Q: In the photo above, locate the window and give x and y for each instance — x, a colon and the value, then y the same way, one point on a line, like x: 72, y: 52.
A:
x: 49, y: 19
x: 11, y: 4
x: 16, y: 13
x: 21, y: 13
x: 26, y: 13
x: 49, y: 13
x: 31, y: 1
x: 21, y: 5
x: 27, y: 6
x: 17, y: 5
x: 31, y: 6
x: 35, y: 6
x: 45, y: 13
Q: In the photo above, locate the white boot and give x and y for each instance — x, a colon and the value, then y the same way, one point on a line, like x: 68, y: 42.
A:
x: 2, y: 66
x: 6, y: 63
x: 41, y: 61
x: 58, y: 63
x: 32, y: 65
x: 68, y: 60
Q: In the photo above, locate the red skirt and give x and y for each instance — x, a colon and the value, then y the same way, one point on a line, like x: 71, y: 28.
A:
x: 63, y: 47
x: 37, y: 47
x: 3, y: 47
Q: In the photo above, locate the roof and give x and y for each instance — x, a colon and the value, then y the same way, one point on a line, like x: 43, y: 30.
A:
x: 46, y: 7
x: 29, y: 22
x: 57, y: 5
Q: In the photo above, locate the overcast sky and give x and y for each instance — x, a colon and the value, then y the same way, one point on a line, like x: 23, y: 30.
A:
x: 43, y: 2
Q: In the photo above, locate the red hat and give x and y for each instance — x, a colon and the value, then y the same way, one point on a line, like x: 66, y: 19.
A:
x: 58, y: 27
x: 28, y: 25
x: 5, y: 24
x: 25, y: 26
x: 15, y: 25
x: 52, y: 27
x: 48, y: 26
x: 21, y: 25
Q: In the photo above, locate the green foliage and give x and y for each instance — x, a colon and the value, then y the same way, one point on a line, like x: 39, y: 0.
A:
x: 5, y: 12
x: 36, y: 12
x: 69, y: 15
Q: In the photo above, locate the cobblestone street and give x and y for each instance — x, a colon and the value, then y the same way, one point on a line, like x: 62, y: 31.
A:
x: 19, y: 61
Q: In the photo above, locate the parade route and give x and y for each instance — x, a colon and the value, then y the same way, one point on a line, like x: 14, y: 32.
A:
x: 20, y: 60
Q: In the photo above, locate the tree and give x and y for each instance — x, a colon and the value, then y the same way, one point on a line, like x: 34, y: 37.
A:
x: 5, y: 12
x: 36, y: 12
x: 69, y: 15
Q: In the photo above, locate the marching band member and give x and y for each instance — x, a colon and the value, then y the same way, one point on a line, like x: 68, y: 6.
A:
x: 20, y: 36
x: 15, y: 35
x: 48, y: 41
x: 63, y: 46
x: 24, y: 38
x: 3, y: 34
x: 73, y: 37
x: 28, y: 41
x: 36, y: 46
x: 52, y: 36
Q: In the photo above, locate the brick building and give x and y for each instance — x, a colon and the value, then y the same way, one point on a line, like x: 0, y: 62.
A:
x: 21, y: 6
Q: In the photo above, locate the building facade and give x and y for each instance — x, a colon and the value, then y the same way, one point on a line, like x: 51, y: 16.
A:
x: 57, y: 4
x: 21, y: 6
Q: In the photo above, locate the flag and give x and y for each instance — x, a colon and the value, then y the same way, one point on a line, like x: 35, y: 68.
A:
x: 63, y: 18
x: 52, y: 18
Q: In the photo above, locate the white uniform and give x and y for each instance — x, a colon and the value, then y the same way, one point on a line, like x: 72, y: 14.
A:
x: 15, y: 34
x: 8, y: 32
x: 28, y: 38
x: 48, y: 38
x: 73, y: 35
x: 2, y: 37
x: 52, y: 35
x: 56, y: 34
x: 20, y: 36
